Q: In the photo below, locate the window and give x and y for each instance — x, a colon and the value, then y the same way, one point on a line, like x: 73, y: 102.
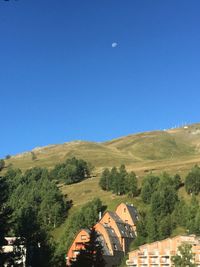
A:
x: 83, y: 237
x: 124, y: 210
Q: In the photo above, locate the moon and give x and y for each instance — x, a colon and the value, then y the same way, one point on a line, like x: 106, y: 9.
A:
x: 114, y: 44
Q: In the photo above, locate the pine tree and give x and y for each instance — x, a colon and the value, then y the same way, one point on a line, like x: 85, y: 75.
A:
x: 151, y: 228
x: 105, y: 182
x: 91, y: 255
x: 131, y: 184
x: 164, y: 227
x: 192, y: 181
x: 149, y: 186
x: 4, y: 217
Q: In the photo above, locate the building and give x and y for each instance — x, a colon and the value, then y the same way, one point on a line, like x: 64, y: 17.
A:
x: 15, y: 249
x: 116, y: 230
x: 159, y: 253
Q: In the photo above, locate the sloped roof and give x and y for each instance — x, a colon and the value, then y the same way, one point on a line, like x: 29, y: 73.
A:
x: 105, y: 249
x: 115, y: 217
x: 124, y: 228
x: 113, y: 238
x: 133, y: 212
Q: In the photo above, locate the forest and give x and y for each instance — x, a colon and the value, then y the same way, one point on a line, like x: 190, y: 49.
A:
x: 32, y: 205
x: 163, y: 210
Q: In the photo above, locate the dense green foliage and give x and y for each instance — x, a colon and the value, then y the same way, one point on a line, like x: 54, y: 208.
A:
x: 31, y: 205
x: 119, y: 181
x: 86, y: 217
x: 91, y: 255
x: 164, y: 211
x: 185, y: 257
x: 4, y: 216
x: 187, y: 215
x: 149, y: 186
x: 34, y: 190
x: 36, y: 206
x: 192, y: 181
x: 71, y: 171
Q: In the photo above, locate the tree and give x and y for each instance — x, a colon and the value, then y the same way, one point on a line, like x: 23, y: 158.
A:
x: 197, y: 223
x: 86, y: 217
x: 131, y: 184
x: 185, y: 257
x: 192, y: 181
x: 151, y: 227
x: 36, y: 239
x: 33, y: 156
x: 180, y: 212
x: 105, y: 181
x: 163, y: 202
x: 177, y: 181
x: 71, y: 171
x: 4, y: 217
x: 164, y: 227
x: 35, y: 189
x: 37, y: 205
x: 142, y: 234
x: 91, y: 255
x: 149, y: 186
x: 2, y: 164
x: 191, y: 214
x: 119, y: 186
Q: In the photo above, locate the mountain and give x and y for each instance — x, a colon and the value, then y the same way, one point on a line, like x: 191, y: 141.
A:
x: 175, y: 150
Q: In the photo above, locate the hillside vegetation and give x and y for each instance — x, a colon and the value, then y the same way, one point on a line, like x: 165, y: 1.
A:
x: 171, y: 150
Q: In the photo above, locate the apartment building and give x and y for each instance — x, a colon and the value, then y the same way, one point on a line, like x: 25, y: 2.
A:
x: 158, y: 254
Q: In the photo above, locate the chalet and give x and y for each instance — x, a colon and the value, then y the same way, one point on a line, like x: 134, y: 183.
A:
x: 116, y: 230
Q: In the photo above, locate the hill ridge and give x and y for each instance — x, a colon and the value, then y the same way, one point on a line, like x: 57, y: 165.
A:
x: 137, y: 151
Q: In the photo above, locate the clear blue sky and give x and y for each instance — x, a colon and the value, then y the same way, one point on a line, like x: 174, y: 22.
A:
x: 61, y: 80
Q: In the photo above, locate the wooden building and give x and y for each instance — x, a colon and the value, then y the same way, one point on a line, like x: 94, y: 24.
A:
x: 116, y: 230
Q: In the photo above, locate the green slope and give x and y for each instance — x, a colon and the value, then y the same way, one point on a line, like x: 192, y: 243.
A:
x: 172, y: 149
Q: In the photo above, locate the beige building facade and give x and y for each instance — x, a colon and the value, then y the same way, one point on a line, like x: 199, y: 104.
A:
x: 159, y: 253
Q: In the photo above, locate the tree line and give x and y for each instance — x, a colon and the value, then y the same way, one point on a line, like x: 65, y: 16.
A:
x: 31, y: 205
x: 163, y: 210
x: 73, y: 170
x: 119, y: 181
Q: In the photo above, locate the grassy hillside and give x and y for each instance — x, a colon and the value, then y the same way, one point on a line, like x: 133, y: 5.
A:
x: 172, y: 150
